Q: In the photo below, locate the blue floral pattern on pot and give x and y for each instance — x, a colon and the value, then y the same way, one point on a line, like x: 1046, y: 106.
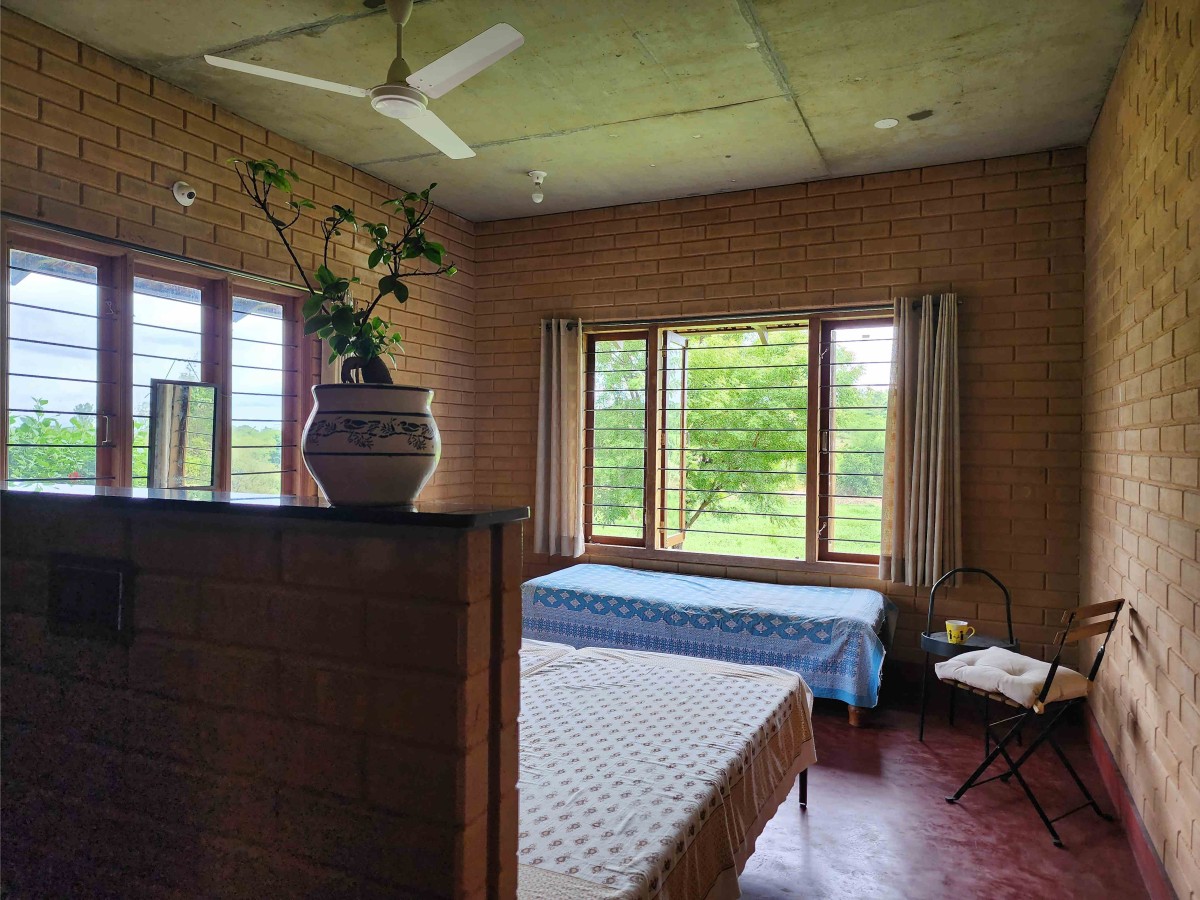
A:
x: 363, y: 432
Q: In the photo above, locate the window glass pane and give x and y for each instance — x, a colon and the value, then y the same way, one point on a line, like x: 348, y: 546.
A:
x: 860, y: 369
x: 168, y: 343
x: 618, y: 437
x: 740, y: 403
x: 52, y: 390
x: 259, y: 389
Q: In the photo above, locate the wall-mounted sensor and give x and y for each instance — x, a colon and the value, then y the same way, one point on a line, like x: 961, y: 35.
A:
x: 538, y: 177
x: 184, y: 193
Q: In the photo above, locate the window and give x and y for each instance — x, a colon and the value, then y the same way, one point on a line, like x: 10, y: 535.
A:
x: 753, y: 439
x: 59, y: 369
x: 89, y: 326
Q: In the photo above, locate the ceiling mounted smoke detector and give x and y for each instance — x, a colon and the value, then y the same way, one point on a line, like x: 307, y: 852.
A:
x: 538, y: 177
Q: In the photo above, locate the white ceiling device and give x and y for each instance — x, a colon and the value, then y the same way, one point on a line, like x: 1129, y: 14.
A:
x: 405, y: 95
x: 538, y: 177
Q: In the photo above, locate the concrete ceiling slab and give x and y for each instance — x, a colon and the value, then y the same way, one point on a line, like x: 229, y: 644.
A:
x: 607, y: 95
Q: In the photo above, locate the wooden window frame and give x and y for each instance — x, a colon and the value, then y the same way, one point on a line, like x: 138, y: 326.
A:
x: 589, y: 426
x: 650, y: 545
x: 824, y: 454
x: 117, y: 266
x: 297, y: 402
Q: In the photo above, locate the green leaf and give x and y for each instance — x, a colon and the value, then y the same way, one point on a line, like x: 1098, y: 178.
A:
x: 375, y: 258
x: 312, y: 305
x: 315, y: 324
x: 387, y: 284
x: 325, y: 333
x: 453, y: 270
x: 343, y: 320
x: 332, y: 357
x: 433, y: 253
x: 400, y: 291
x: 325, y: 276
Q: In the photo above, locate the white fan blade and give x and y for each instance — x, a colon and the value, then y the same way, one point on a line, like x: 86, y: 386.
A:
x: 264, y: 72
x: 438, y: 133
x: 442, y: 75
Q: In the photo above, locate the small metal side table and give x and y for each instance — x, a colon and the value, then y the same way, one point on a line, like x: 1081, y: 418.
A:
x: 936, y: 642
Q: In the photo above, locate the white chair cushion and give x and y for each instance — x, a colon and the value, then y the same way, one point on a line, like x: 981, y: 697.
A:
x: 1017, y: 677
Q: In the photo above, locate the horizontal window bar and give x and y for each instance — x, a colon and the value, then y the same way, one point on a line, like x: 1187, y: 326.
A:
x: 84, y: 447
x: 68, y: 346
x: 187, y: 331
x: 782, y: 537
x: 261, y: 446
x: 754, y: 346
x: 732, y: 368
x: 695, y: 449
x: 64, y: 312
x: 748, y: 430
x: 198, y: 362
x: 53, y: 412
x: 61, y: 276
x: 58, y: 378
x: 672, y: 490
x: 692, y: 390
x: 264, y: 472
x: 67, y: 478
x: 850, y: 497
x: 264, y: 343
x: 742, y: 472
x: 727, y: 512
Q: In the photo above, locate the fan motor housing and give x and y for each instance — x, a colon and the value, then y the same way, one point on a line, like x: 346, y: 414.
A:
x: 398, y: 101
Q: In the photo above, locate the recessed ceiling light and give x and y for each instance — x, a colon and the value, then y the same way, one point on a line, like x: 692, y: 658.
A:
x: 695, y: 135
x: 652, y: 165
x: 887, y: 123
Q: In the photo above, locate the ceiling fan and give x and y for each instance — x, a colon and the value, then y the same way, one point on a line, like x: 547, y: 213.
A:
x: 405, y: 94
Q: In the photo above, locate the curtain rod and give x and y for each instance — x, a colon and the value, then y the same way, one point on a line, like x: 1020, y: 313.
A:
x: 745, y: 317
x: 756, y: 317
x: 148, y: 251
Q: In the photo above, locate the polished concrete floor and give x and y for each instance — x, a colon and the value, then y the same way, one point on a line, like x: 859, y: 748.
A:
x: 877, y: 825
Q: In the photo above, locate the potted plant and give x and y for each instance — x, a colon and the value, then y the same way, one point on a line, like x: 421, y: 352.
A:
x: 368, y: 441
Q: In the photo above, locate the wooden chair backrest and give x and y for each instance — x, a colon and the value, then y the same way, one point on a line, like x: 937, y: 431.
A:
x: 1079, y: 626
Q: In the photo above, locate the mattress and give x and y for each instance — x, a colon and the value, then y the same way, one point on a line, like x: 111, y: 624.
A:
x: 828, y: 636
x: 645, y: 776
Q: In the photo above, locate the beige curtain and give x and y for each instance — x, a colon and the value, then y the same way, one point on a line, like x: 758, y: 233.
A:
x: 558, y: 503
x: 922, y: 530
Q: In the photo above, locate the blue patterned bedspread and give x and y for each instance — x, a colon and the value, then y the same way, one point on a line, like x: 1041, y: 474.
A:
x: 829, y: 636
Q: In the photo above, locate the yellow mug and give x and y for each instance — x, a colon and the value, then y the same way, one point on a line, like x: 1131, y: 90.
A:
x: 958, y: 631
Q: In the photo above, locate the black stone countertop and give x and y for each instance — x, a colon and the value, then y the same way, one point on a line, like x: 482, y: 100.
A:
x: 434, y: 514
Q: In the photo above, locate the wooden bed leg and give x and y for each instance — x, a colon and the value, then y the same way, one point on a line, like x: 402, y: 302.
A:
x: 804, y: 789
x: 860, y: 716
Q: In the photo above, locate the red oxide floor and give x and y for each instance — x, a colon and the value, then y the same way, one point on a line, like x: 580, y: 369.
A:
x: 877, y: 825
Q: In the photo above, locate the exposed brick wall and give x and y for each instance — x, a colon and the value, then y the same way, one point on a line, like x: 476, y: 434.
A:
x: 1006, y: 234
x: 94, y: 144
x: 1141, y: 428
x: 270, y: 731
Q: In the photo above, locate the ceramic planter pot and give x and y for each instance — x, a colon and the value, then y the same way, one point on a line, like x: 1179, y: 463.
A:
x: 371, y: 444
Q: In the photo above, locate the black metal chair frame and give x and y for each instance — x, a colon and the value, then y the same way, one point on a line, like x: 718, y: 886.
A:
x: 937, y: 643
x: 1059, y: 709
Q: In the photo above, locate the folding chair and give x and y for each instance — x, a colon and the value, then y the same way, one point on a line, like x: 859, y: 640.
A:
x: 1013, y: 679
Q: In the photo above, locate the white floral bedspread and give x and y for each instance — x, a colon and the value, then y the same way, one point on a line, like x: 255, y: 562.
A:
x: 626, y: 755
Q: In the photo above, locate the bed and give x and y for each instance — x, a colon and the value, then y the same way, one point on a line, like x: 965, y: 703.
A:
x: 645, y: 776
x: 832, y: 637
